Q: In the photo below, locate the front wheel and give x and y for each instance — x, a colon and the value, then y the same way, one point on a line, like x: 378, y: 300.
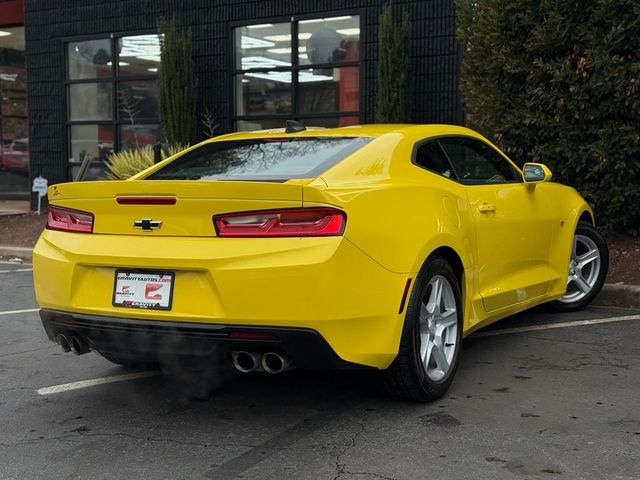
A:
x: 587, y: 269
x: 431, y: 336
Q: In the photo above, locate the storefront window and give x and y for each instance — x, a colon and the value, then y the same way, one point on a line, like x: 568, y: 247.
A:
x: 14, y: 127
x: 90, y: 101
x: 91, y: 59
x: 298, y: 70
x: 112, y: 96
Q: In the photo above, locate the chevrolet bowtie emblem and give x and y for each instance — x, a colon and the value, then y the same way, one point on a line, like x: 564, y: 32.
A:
x: 147, y: 224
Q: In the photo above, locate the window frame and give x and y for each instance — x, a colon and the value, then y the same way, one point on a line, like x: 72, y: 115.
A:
x: 437, y: 138
x: 114, y: 79
x: 294, y: 68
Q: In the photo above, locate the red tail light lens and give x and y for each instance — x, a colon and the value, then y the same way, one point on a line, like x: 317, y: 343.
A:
x: 69, y: 220
x: 294, y: 222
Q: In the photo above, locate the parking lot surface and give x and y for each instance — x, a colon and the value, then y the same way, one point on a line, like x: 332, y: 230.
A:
x: 538, y: 395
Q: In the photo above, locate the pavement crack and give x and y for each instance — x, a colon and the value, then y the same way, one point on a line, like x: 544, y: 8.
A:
x: 371, y: 474
x: 342, y: 451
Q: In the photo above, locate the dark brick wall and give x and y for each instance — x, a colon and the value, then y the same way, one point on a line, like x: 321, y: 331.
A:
x: 435, y: 55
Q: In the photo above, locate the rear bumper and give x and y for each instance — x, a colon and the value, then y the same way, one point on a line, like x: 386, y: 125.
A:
x: 325, y: 285
x: 155, y: 340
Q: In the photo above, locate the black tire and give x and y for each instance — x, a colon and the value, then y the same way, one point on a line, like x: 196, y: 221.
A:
x: 130, y: 362
x: 407, y: 377
x: 572, y: 301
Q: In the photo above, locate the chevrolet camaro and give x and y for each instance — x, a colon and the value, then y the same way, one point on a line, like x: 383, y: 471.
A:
x: 374, y: 247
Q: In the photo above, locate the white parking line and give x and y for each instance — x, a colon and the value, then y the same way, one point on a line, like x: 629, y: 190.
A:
x: 14, y: 312
x: 93, y: 382
x: 549, y: 326
x: 17, y: 270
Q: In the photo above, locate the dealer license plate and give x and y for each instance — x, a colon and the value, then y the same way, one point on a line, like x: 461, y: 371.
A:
x: 142, y: 289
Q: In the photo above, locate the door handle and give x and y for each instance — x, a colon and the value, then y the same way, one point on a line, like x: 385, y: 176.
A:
x: 486, y: 208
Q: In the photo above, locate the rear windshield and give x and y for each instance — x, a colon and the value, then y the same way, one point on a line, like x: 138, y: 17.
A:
x: 271, y: 159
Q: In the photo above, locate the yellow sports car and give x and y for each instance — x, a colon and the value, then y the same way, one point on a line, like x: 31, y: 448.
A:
x: 370, y: 247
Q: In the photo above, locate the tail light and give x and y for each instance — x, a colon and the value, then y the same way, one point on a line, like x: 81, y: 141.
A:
x: 69, y: 220
x: 293, y: 222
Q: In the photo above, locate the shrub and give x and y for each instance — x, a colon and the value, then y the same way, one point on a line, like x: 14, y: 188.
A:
x: 126, y: 163
x: 176, y: 84
x: 559, y: 83
x: 393, y: 67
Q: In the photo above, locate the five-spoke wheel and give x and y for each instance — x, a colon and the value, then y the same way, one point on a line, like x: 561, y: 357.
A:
x: 587, y: 268
x: 438, y: 324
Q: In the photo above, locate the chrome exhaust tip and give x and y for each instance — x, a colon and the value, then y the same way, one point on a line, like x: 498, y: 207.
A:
x: 275, y: 363
x: 63, y: 341
x: 245, y: 362
x: 78, y: 346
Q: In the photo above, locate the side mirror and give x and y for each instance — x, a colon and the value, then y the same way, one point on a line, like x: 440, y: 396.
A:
x: 533, y: 173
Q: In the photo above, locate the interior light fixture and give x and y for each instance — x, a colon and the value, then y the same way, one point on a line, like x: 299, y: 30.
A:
x: 262, y: 62
x: 281, y: 77
x: 278, y: 38
x: 285, y: 77
x: 262, y: 25
x: 349, y: 31
x: 287, y: 37
x: 140, y: 45
x: 279, y: 51
x: 4, y: 33
x: 331, y: 19
x: 248, y: 42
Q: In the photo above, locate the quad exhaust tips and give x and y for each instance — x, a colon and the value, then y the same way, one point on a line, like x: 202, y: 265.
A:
x: 73, y: 344
x: 269, y: 362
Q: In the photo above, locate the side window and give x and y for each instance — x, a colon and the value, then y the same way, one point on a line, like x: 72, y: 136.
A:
x: 430, y: 156
x: 477, y: 163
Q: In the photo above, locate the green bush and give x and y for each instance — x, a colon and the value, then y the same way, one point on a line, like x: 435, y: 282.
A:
x: 393, y: 67
x: 559, y: 83
x: 126, y: 163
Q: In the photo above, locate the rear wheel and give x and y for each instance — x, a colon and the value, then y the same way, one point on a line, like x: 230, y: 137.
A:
x: 587, y: 269
x: 431, y: 338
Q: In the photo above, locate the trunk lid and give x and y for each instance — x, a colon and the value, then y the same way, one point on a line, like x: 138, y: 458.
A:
x: 189, y: 215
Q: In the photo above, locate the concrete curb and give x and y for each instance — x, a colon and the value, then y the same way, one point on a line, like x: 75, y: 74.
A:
x: 612, y: 294
x: 619, y: 295
x: 20, y: 252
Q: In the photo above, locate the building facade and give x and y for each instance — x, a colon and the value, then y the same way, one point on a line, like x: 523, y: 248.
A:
x: 92, y: 70
x: 14, y: 125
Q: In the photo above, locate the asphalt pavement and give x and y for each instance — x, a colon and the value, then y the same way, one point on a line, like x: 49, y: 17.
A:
x: 539, y: 395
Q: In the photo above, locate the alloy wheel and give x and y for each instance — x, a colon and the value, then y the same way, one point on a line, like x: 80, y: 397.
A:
x: 438, y: 328
x: 584, y: 269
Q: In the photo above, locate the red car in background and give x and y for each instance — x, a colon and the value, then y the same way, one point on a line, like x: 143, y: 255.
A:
x: 15, y: 157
